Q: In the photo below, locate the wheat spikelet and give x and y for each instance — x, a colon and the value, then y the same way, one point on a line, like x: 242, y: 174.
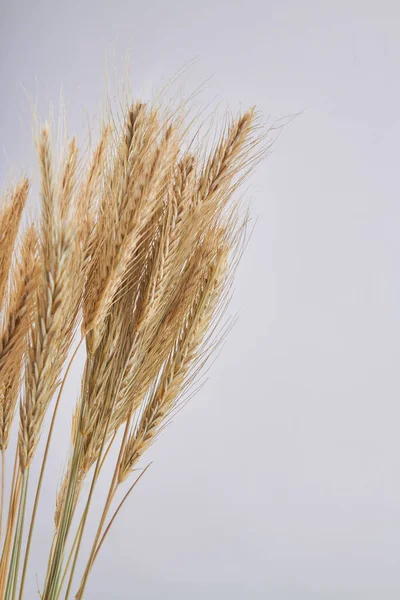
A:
x: 134, y: 175
x: 230, y: 156
x: 89, y: 196
x: 16, y: 322
x: 16, y: 317
x: 9, y: 390
x: 56, y: 307
x: 68, y: 179
x: 10, y: 216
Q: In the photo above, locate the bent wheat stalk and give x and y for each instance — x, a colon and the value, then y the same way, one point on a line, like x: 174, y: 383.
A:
x: 136, y: 245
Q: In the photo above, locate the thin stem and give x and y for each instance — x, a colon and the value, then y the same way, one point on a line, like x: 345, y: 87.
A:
x: 71, y: 553
x: 42, y: 471
x: 80, y: 525
x: 24, y: 494
x: 55, y: 565
x: 120, y: 505
x: 16, y: 472
x: 11, y: 587
x: 71, y: 577
x: 11, y: 517
x: 110, y: 497
x: 99, y: 464
x: 3, y: 479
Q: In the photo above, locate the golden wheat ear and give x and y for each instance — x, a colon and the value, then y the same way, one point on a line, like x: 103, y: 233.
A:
x: 15, y: 325
x: 189, y: 336
x: 10, y: 217
x: 17, y: 315
x: 131, y: 201
x: 57, y: 297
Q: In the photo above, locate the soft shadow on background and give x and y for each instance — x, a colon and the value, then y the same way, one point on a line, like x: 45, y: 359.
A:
x: 281, y: 479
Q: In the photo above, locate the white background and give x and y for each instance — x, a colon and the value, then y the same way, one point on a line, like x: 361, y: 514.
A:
x: 281, y: 479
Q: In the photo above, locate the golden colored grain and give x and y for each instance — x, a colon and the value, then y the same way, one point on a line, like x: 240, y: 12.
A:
x: 10, y: 216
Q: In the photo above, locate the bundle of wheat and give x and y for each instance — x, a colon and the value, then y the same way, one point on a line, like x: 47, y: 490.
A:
x: 135, y: 249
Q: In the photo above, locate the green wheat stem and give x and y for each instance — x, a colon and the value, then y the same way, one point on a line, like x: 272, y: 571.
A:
x: 42, y: 472
x: 11, y: 588
x: 55, y: 566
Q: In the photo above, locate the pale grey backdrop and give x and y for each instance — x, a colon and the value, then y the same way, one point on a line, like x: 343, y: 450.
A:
x: 281, y: 480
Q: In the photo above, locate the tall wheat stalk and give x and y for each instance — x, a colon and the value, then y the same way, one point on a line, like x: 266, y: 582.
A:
x: 132, y: 258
